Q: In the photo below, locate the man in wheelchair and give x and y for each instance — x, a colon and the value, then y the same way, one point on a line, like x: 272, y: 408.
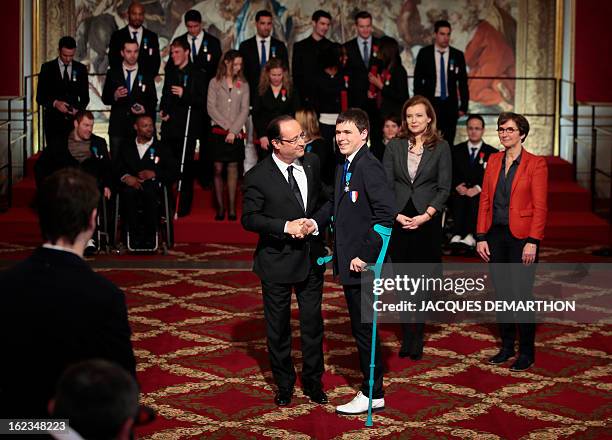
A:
x: 145, y: 166
x: 83, y: 150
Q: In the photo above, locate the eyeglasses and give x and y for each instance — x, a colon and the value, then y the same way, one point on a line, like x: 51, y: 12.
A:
x: 508, y: 130
x: 295, y: 140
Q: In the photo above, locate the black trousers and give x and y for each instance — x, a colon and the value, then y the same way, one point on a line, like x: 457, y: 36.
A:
x: 512, y: 282
x: 465, y: 214
x: 362, y: 332
x: 189, y: 168
x: 145, y: 199
x: 446, y: 115
x: 277, y: 312
x: 57, y: 126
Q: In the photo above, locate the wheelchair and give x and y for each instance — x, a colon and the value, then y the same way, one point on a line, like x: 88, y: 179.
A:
x: 164, y: 234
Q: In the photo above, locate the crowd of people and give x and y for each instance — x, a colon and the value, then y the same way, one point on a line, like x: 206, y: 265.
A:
x: 333, y: 141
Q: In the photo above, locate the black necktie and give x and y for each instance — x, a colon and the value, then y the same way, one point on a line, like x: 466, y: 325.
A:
x: 65, y: 77
x: 294, y: 187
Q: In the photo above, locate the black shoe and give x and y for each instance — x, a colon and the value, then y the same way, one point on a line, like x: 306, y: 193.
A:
x: 220, y: 216
x: 501, y: 357
x: 407, y: 343
x: 416, y: 353
x: 231, y: 217
x: 317, y: 395
x: 522, y: 363
x: 283, y: 397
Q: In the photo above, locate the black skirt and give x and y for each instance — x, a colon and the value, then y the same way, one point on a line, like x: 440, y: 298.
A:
x: 421, y: 245
x: 221, y: 151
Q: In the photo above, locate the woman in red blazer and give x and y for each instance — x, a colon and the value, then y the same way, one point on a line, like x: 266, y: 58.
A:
x: 511, y: 222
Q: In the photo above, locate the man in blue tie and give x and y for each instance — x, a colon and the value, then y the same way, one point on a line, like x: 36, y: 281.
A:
x: 440, y: 76
x: 469, y: 163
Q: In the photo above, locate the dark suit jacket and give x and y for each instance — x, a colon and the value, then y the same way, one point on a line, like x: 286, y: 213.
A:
x: 306, y: 65
x: 456, y: 76
x: 143, y: 92
x: 157, y: 158
x: 354, y: 234
x: 432, y: 182
x: 194, y: 82
x: 148, y: 54
x: 57, y: 156
x: 395, y: 93
x: 250, y: 60
x: 268, y: 203
x: 208, y: 56
x: 463, y: 170
x: 358, y: 73
x: 267, y: 107
x: 55, y: 311
x: 52, y: 87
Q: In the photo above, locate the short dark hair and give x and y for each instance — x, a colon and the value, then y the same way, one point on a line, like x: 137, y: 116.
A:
x: 262, y: 13
x: 180, y: 42
x: 393, y: 118
x: 193, y: 15
x: 357, y: 117
x: 273, y: 131
x: 320, y: 13
x: 440, y: 24
x: 65, y: 202
x: 83, y: 114
x: 67, y: 42
x: 129, y: 42
x: 362, y: 14
x: 520, y: 121
x: 475, y: 116
x: 98, y: 397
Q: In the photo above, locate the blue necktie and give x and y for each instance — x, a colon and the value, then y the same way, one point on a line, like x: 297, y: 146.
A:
x: 443, y: 93
x: 345, y: 171
x: 263, y: 53
x: 193, y: 49
x: 473, y: 155
x: 129, y: 80
x: 366, y: 53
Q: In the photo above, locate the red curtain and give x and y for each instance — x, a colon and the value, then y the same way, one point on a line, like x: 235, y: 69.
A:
x: 10, y: 48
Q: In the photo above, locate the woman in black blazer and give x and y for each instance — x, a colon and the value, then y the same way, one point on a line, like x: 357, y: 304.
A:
x: 418, y: 166
x: 275, y: 96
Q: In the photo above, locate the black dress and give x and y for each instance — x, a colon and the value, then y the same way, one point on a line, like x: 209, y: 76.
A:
x: 267, y: 107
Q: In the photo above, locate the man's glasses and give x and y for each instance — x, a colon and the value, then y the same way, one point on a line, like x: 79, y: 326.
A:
x: 508, y: 130
x: 295, y: 140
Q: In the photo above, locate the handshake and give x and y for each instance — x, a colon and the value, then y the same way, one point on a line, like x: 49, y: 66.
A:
x: 301, y: 227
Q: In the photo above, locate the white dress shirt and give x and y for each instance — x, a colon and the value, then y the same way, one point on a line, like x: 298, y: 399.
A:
x: 142, y: 148
x: 360, y: 46
x: 268, y: 41
x: 198, y: 43
x: 446, y: 52
x: 138, y: 34
x: 300, y: 177
x: 133, y: 75
x: 61, y: 68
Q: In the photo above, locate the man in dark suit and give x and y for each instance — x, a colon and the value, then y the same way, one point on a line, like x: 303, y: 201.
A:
x: 184, y: 88
x: 130, y: 92
x: 257, y: 50
x: 362, y: 60
x: 205, y: 53
x: 144, y: 165
x: 54, y: 310
x: 440, y: 76
x: 469, y: 162
x: 306, y: 63
x: 362, y: 199
x: 63, y: 89
x: 280, y: 191
x: 148, y: 43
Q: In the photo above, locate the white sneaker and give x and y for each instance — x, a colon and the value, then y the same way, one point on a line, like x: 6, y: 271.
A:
x: 469, y: 241
x: 359, y: 405
x: 455, y: 239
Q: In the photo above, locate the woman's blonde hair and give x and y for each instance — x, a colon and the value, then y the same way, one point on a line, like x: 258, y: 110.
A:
x: 309, y: 122
x: 264, y: 77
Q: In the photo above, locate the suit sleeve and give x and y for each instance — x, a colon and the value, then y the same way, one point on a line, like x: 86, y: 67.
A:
x: 539, y: 194
x: 389, y: 164
x: 164, y: 105
x: 83, y: 85
x: 114, y: 49
x: 156, y: 58
x: 444, y: 177
x: 43, y: 91
x: 419, y: 75
x: 108, y: 91
x: 253, y: 217
x: 380, y: 197
x: 464, y: 92
x: 151, y: 96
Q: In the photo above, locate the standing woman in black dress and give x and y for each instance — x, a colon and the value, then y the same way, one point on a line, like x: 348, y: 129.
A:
x: 418, y: 167
x: 275, y: 96
x: 228, y: 108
